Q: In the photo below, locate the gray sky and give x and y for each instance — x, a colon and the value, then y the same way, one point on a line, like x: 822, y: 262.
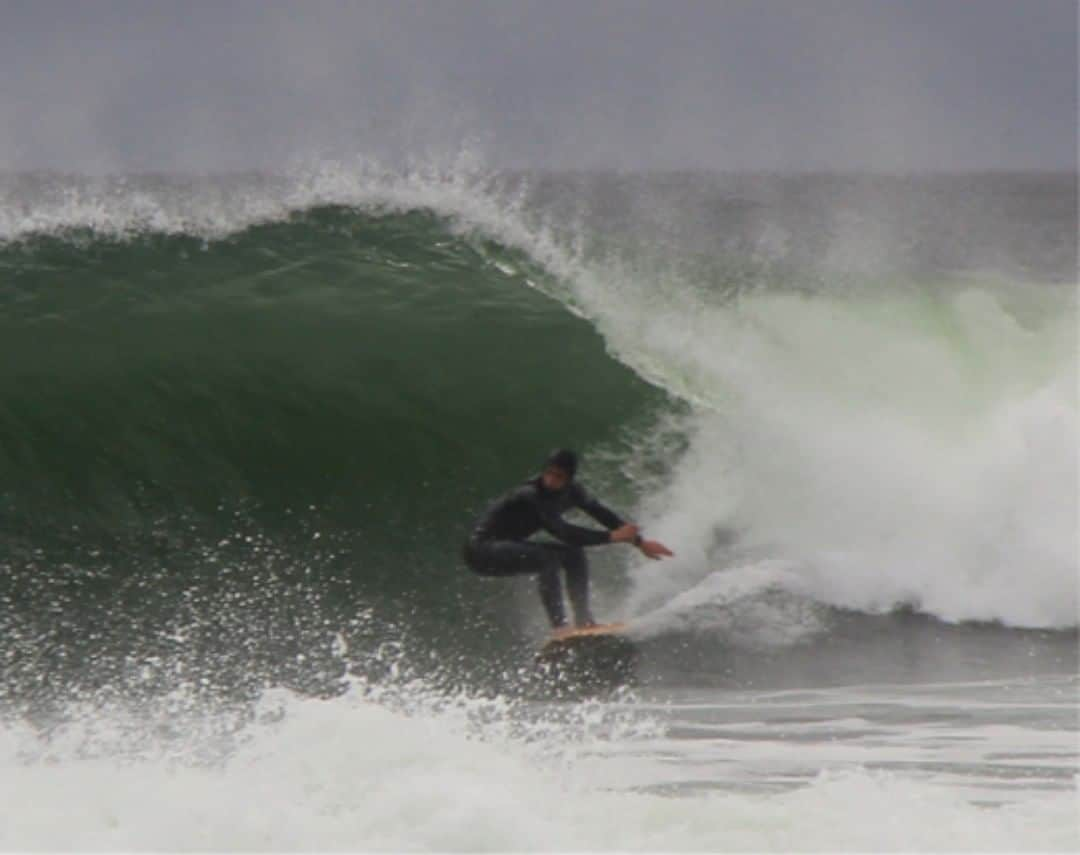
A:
x: 726, y: 84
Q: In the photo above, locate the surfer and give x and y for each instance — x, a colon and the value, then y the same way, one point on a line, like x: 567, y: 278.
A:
x: 499, y: 544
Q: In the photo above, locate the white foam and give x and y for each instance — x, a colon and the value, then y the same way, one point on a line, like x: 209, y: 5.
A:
x: 352, y: 774
x: 735, y: 605
x: 902, y: 448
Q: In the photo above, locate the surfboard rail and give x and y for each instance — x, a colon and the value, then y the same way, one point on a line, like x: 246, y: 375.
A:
x: 571, y: 632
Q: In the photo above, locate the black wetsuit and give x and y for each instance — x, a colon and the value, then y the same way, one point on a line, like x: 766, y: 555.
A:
x: 498, y: 545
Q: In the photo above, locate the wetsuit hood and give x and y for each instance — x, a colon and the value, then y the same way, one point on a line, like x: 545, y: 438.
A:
x: 564, y: 459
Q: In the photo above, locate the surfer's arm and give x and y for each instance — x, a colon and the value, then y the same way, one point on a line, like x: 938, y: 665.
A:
x: 654, y: 549
x: 603, y: 514
x: 598, y: 510
x: 575, y: 535
x: 620, y: 531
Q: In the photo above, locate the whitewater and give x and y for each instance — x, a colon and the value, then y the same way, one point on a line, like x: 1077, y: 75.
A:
x: 247, y: 420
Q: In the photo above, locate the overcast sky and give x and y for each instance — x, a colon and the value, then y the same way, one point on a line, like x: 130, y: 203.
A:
x: 727, y: 84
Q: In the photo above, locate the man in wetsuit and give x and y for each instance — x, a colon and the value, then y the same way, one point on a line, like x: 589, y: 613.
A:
x: 499, y: 544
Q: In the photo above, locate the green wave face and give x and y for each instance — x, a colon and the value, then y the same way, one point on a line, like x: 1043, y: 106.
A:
x: 334, y: 396
x: 338, y: 359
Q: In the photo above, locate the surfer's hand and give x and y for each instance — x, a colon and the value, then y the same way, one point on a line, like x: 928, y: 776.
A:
x: 624, y: 533
x: 655, y: 550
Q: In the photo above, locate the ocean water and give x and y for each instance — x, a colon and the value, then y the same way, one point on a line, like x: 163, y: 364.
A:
x: 247, y: 420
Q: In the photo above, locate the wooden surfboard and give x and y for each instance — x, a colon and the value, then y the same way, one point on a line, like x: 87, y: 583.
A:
x: 590, y: 657
x: 573, y: 634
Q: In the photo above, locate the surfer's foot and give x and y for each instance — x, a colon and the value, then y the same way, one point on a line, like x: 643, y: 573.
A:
x: 587, y: 622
